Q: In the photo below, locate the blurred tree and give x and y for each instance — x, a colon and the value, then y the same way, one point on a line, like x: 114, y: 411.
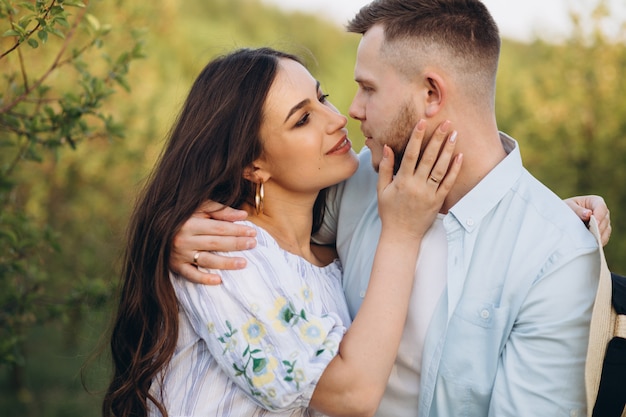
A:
x: 566, y: 104
x: 51, y: 98
x: 63, y: 211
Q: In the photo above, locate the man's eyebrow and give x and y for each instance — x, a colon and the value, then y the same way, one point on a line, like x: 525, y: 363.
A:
x: 301, y: 104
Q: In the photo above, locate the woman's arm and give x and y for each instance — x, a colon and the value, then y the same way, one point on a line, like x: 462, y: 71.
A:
x: 265, y: 332
x: 355, y: 380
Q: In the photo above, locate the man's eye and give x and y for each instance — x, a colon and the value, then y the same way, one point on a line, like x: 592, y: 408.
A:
x: 303, y: 120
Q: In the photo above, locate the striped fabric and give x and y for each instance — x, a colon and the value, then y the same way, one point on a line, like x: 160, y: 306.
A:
x: 259, y: 341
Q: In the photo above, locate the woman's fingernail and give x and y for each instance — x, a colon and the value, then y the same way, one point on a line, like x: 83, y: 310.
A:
x: 453, y: 137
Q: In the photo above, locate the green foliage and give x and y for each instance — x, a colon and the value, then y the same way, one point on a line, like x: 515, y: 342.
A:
x: 51, y: 98
x: 67, y: 181
x: 566, y: 105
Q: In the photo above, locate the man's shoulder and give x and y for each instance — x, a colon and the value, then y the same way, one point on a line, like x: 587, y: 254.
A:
x: 365, y: 174
x: 551, y: 214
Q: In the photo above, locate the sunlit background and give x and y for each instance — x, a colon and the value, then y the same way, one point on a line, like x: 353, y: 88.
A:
x: 69, y: 172
x: 520, y: 20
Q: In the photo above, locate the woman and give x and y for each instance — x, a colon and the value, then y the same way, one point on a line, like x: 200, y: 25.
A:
x: 257, y: 133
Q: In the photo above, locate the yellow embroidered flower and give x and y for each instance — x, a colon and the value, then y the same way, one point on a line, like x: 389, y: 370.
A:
x: 211, y: 327
x: 281, y: 314
x: 253, y: 331
x: 312, y: 332
x: 262, y: 373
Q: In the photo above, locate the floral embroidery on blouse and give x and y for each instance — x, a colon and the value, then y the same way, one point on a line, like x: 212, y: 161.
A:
x: 256, y: 365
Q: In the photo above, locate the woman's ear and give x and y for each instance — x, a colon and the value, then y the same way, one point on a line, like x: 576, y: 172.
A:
x: 256, y: 173
x: 435, y: 94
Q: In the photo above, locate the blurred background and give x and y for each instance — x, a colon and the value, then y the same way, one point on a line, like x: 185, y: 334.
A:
x: 89, y: 89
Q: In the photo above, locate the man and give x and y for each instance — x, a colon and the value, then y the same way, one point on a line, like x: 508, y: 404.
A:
x: 506, y: 277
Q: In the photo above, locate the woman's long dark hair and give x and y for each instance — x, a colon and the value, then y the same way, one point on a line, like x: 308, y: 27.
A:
x: 215, y: 137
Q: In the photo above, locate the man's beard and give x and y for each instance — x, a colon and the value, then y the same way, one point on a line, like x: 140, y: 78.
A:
x: 400, y: 132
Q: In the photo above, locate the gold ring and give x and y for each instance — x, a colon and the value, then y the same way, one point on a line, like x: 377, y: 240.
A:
x: 433, y: 179
x: 195, y: 258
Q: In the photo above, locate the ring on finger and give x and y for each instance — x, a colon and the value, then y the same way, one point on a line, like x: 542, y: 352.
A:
x: 195, y: 258
x: 433, y: 179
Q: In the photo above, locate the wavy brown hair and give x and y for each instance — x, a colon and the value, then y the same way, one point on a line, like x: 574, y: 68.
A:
x: 214, y: 138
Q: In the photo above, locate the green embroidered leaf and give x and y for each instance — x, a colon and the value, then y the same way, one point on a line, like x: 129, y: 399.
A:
x: 287, y: 315
x: 319, y: 352
x: 258, y: 364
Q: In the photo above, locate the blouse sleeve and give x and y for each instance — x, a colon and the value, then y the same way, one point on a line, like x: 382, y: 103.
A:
x: 261, y: 330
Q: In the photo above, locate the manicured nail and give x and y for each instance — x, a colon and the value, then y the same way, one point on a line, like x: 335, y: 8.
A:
x: 453, y: 137
x: 240, y: 263
x: 445, y: 126
x: 421, y: 125
x: 250, y: 243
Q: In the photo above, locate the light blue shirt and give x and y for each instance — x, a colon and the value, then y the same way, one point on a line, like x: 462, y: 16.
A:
x: 509, y: 334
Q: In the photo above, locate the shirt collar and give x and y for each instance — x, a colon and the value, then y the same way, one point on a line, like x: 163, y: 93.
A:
x: 470, y: 210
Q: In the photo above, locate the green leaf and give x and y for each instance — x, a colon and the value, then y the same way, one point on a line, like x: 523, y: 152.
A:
x: 33, y: 43
x: 42, y: 35
x: 73, y: 3
x: 57, y: 33
x: 93, y: 22
x: 258, y: 364
x: 28, y: 6
x: 10, y: 32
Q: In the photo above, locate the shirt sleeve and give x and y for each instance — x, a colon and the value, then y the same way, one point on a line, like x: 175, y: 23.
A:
x: 541, y: 370
x: 262, y: 330
x: 327, y: 235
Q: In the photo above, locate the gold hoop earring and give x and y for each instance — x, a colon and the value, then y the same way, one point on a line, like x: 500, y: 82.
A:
x: 258, y: 198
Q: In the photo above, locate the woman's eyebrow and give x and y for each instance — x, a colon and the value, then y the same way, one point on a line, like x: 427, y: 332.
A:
x: 302, y: 103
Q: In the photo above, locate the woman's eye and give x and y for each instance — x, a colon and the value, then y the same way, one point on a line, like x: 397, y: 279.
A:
x: 323, y: 98
x: 303, y: 120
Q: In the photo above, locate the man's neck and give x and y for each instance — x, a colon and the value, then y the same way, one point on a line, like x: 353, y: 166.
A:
x: 482, y: 151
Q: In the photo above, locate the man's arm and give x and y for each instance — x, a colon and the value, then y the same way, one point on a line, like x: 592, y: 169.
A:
x: 541, y: 370
x: 210, y: 228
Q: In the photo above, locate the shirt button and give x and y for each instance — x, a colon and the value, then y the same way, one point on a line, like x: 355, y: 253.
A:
x: 484, y: 314
x: 469, y: 222
x: 362, y: 294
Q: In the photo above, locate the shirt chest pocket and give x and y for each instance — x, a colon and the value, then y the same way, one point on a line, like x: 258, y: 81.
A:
x: 477, y: 333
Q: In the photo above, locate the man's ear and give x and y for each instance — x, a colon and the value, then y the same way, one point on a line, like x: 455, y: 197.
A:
x: 436, y: 92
